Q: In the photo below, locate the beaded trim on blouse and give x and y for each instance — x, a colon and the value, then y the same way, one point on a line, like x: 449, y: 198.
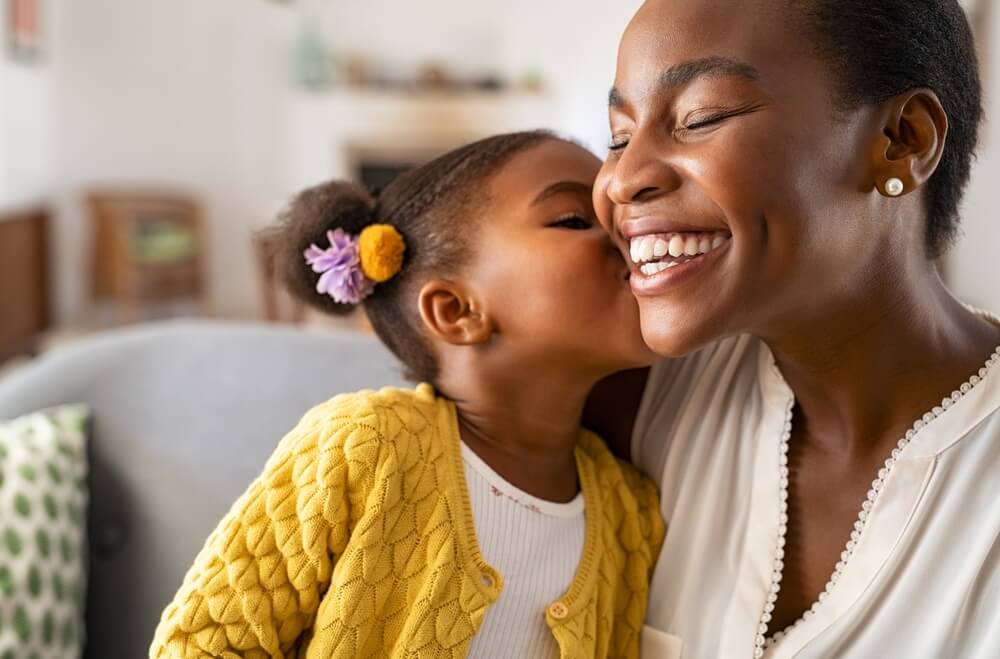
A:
x: 761, y: 641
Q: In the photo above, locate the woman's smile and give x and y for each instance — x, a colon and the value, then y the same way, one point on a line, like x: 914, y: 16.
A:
x: 663, y: 260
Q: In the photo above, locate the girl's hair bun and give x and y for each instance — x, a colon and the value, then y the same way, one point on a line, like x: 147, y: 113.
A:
x: 306, y: 221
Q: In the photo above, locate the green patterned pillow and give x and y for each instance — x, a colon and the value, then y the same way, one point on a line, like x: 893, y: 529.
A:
x: 43, y: 499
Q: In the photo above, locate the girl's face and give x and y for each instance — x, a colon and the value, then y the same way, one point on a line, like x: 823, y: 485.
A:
x: 553, y: 281
x: 743, y: 197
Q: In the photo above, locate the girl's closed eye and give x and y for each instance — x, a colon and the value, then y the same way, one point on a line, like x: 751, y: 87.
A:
x: 573, y: 222
x: 618, y: 143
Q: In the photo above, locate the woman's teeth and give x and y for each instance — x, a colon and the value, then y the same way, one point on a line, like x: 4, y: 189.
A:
x: 659, y: 252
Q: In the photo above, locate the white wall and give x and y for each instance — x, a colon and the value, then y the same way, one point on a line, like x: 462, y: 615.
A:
x: 184, y: 94
x: 974, y: 265
x: 25, y: 125
x: 25, y: 134
x: 195, y: 94
x: 4, y: 110
x: 574, y: 43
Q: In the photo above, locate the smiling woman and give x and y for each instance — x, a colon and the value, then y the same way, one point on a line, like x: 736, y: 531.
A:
x: 827, y: 430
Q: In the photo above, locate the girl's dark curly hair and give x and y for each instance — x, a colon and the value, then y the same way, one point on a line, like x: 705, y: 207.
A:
x: 434, y: 206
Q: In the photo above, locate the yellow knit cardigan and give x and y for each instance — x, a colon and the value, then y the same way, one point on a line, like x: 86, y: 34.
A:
x: 358, y: 541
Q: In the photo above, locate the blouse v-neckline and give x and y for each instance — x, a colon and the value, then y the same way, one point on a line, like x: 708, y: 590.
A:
x: 888, y: 519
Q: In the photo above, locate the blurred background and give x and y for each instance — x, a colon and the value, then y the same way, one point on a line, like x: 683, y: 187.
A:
x: 142, y: 142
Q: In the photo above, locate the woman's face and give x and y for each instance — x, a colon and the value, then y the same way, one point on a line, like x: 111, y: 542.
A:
x: 743, y: 198
x: 554, y: 283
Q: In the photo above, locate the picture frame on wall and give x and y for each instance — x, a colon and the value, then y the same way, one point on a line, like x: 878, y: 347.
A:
x: 23, y: 27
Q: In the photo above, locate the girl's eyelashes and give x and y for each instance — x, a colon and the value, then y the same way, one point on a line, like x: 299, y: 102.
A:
x: 618, y: 145
x: 573, y: 222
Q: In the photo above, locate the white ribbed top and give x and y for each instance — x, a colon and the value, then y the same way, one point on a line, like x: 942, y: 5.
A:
x: 536, y: 545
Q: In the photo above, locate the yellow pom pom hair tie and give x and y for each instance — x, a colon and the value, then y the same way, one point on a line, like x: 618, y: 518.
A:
x: 381, y: 249
x: 350, y: 267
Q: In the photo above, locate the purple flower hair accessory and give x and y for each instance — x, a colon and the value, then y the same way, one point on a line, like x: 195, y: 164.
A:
x: 340, y: 268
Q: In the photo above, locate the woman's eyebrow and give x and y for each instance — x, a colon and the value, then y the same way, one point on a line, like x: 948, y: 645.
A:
x: 682, y: 74
x: 563, y: 186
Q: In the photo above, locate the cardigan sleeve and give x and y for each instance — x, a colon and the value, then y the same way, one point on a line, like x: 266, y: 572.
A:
x: 256, y: 585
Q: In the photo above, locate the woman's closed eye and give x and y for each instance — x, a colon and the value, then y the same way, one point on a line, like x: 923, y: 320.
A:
x: 707, y: 121
x: 695, y: 122
x: 619, y: 143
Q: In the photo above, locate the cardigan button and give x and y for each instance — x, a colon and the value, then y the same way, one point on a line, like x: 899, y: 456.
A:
x: 487, y: 581
x: 558, y: 610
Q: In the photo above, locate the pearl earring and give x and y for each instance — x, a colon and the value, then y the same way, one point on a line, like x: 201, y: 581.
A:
x: 894, y: 187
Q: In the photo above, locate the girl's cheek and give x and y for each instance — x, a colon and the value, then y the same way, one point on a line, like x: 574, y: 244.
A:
x: 603, y: 268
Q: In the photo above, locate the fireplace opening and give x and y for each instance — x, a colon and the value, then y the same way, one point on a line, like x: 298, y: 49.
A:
x: 375, y: 175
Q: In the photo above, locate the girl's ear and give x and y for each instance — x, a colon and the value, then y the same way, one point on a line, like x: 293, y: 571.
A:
x: 453, y: 314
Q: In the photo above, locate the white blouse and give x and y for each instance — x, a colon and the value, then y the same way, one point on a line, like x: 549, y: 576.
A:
x: 922, y: 579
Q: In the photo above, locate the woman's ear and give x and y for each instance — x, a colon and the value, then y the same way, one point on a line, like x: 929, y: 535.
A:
x: 914, y: 127
x: 453, y: 314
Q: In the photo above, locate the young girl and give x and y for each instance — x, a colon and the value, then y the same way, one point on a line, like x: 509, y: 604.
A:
x: 471, y: 516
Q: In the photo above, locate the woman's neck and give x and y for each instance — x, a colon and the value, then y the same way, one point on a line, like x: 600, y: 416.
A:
x: 862, y: 373
x: 524, y: 425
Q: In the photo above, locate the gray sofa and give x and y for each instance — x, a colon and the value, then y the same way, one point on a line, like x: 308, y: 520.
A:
x: 185, y: 415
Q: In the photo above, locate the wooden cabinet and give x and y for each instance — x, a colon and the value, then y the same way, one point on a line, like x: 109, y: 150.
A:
x: 147, y: 248
x: 24, y: 280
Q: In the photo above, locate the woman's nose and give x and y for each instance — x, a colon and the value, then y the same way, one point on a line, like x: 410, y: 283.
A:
x: 640, y: 172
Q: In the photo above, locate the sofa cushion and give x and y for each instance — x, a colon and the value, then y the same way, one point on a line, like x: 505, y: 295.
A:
x: 43, y: 499
x: 185, y: 415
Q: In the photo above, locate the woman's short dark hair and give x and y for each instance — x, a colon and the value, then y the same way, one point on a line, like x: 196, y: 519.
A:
x: 434, y: 206
x: 878, y: 49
